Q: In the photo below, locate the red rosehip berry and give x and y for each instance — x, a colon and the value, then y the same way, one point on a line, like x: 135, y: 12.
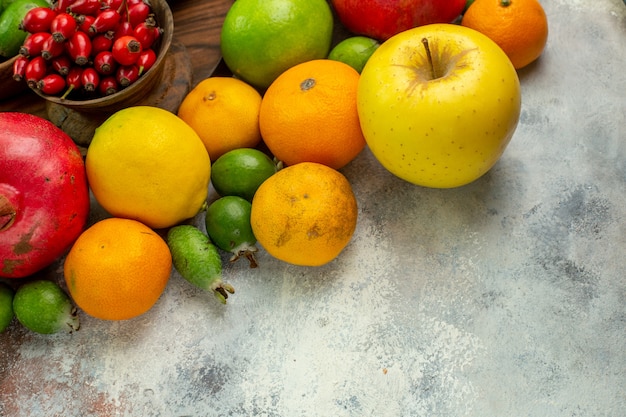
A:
x: 35, y: 70
x: 38, y: 19
x: 90, y: 79
x: 51, y: 84
x: 33, y: 44
x: 138, y: 13
x: 61, y: 64
x: 107, y: 20
x: 79, y: 47
x: 63, y: 27
x: 126, y: 50
x: 19, y: 67
x: 127, y: 74
x: 104, y: 63
x: 147, y: 33
x: 52, y: 49
x: 108, y: 85
x: 102, y: 42
x: 146, y: 60
x: 84, y: 7
x: 74, y: 81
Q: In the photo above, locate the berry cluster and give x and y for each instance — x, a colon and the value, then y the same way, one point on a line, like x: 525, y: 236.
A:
x: 87, y: 48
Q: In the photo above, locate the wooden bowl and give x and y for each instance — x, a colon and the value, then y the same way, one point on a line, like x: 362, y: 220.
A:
x: 8, y: 86
x: 138, y: 90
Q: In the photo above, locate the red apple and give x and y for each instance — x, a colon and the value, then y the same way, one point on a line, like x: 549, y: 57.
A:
x: 381, y: 19
x: 44, y: 197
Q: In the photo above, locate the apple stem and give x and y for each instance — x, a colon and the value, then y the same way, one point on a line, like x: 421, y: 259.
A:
x: 7, y: 213
x: 430, y: 58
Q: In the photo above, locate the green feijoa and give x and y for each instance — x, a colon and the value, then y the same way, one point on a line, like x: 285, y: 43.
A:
x: 6, y: 306
x: 198, y: 260
x: 228, y: 225
x: 43, y: 307
x: 241, y: 171
x: 5, y: 3
x: 11, y: 36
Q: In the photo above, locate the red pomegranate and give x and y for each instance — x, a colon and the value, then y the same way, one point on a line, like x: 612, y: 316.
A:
x: 381, y: 19
x: 44, y: 198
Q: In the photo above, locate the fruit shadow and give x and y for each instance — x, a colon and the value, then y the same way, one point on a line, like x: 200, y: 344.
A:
x: 415, y: 222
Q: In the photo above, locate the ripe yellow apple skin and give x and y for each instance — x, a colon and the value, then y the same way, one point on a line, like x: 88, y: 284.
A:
x: 443, y: 129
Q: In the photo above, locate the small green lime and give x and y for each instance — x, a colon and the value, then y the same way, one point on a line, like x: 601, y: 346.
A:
x: 43, y: 307
x: 228, y: 226
x: 6, y: 306
x: 241, y: 171
x: 354, y: 51
x: 467, y: 5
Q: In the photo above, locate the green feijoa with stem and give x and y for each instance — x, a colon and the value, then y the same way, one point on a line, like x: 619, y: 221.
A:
x: 228, y: 225
x: 198, y: 260
x: 43, y: 307
x: 6, y: 306
x: 241, y: 171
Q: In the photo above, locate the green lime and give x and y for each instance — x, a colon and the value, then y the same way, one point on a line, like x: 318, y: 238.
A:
x: 467, y: 5
x: 6, y: 306
x: 241, y: 171
x: 11, y: 36
x: 354, y: 51
x: 260, y: 39
x: 197, y: 260
x: 43, y: 307
x: 228, y: 226
x: 4, y: 4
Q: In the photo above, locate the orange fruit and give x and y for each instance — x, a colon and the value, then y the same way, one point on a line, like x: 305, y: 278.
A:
x: 309, y: 114
x: 304, y: 214
x: 147, y: 164
x: 117, y: 269
x: 224, y: 112
x: 519, y: 27
x: 260, y: 39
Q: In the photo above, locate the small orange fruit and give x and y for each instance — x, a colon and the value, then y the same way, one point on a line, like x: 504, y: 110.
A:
x: 304, y: 214
x: 519, y: 27
x: 309, y: 114
x: 117, y: 269
x: 224, y: 112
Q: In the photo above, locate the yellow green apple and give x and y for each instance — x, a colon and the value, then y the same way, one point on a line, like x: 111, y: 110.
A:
x: 438, y: 104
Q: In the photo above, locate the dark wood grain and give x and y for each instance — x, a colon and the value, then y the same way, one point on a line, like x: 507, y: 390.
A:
x: 198, y: 24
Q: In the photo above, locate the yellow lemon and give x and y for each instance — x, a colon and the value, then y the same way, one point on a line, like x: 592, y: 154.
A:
x: 147, y: 164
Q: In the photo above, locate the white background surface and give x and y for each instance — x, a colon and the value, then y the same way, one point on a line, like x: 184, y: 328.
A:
x: 506, y: 297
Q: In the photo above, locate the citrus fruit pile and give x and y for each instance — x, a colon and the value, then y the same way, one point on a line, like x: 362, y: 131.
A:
x: 258, y: 156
